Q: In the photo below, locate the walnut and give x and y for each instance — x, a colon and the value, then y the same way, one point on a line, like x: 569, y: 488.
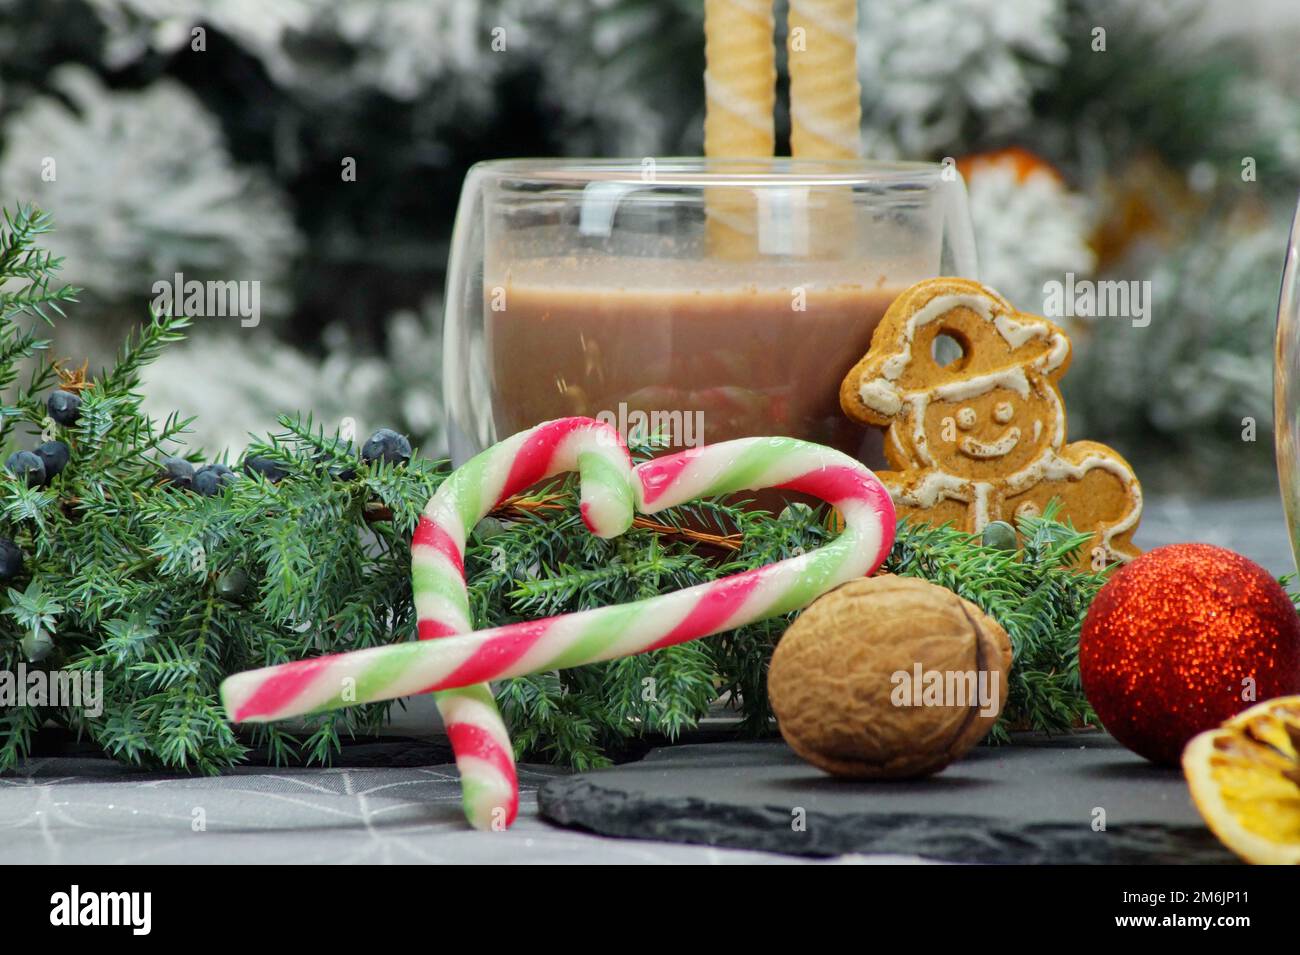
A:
x: 888, y: 677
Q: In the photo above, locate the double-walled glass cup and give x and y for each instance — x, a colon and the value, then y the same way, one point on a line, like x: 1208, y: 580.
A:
x: 695, y: 300
x: 1286, y: 387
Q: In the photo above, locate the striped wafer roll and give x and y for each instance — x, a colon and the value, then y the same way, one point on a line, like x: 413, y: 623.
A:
x: 825, y: 109
x: 740, y: 101
x: 825, y: 103
x: 489, y: 784
x: 606, y: 633
x: 739, y: 78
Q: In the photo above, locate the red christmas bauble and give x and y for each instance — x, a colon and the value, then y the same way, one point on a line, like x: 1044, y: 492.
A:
x: 1182, y: 638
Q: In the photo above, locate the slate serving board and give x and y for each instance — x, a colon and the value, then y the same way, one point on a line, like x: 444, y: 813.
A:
x: 1034, y: 801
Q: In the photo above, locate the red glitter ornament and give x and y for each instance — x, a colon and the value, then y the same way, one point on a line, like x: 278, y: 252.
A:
x: 1182, y: 638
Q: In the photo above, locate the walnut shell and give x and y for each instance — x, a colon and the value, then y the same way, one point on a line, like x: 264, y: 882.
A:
x: 832, y: 680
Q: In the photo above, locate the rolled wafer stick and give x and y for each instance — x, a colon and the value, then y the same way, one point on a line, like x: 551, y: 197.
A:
x: 825, y: 98
x: 740, y: 100
x: 606, y: 633
x: 826, y: 109
x: 739, y: 78
x: 489, y: 783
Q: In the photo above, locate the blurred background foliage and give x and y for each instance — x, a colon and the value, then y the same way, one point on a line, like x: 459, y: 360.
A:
x: 1173, y: 154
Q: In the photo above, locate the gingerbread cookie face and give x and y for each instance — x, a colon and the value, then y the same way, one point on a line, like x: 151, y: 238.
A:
x: 967, y: 388
x: 985, y: 436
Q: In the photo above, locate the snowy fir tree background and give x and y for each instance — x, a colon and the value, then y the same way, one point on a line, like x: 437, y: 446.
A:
x: 1104, y: 138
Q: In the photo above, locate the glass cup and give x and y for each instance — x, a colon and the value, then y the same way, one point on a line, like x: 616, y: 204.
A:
x: 694, y: 300
x: 1286, y: 387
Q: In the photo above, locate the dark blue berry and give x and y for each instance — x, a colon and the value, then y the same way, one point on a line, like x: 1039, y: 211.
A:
x: 386, y: 445
x: 54, y: 455
x: 64, y: 407
x: 211, y: 478
x: 271, y: 470
x: 179, y: 472
x: 26, y: 465
x: 233, y: 583
x: 11, y: 559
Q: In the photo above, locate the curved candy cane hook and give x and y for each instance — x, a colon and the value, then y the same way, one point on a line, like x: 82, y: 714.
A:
x: 484, y: 756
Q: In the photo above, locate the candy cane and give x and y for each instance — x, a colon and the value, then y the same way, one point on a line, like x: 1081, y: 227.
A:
x: 484, y: 756
x: 605, y: 633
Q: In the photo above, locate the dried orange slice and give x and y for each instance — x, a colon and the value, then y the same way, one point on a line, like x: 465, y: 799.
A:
x: 1245, y: 780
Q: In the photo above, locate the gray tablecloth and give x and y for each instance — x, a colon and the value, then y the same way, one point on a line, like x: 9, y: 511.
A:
x: 76, y: 810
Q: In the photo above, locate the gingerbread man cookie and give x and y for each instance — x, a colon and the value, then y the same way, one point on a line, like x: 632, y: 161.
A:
x: 981, y: 437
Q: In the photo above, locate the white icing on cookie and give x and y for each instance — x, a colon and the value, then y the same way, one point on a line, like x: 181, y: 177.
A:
x: 1014, y: 333
x: 933, y: 487
x: 920, y: 443
x: 985, y: 450
x: 983, y: 491
x: 881, y: 397
x: 1013, y: 379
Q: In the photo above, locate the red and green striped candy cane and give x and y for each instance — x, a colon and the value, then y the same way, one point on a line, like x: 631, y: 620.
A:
x: 607, y: 633
x: 489, y: 783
